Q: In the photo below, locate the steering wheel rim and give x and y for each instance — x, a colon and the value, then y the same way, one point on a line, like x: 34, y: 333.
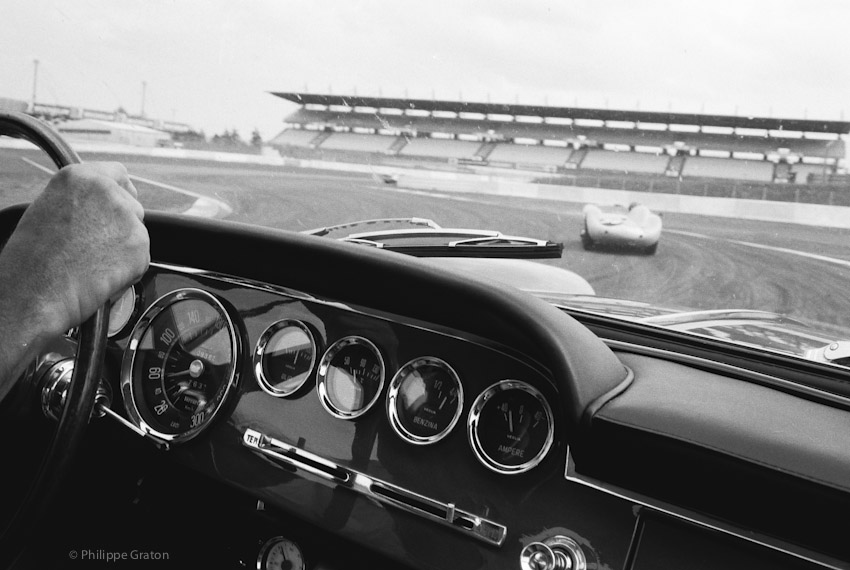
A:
x: 88, y: 364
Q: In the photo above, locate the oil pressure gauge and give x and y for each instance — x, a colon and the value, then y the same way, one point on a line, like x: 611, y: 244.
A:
x: 510, y: 427
x: 280, y: 553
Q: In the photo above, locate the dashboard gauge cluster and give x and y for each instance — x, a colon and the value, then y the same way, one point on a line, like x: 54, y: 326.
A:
x: 180, y: 365
x: 183, y: 356
x: 510, y: 425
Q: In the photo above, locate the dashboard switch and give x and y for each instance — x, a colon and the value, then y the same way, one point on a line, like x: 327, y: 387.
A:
x: 556, y: 553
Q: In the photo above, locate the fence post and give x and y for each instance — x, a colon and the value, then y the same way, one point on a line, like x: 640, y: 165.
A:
x: 796, y: 194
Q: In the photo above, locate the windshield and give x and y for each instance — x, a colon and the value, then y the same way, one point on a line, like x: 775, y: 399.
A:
x: 681, y: 165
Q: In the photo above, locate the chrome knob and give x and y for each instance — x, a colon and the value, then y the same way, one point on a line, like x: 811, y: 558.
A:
x: 54, y: 382
x: 54, y: 387
x: 555, y: 553
x: 537, y: 556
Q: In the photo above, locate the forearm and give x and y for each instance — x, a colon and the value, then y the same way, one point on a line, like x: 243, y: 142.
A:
x: 24, y: 332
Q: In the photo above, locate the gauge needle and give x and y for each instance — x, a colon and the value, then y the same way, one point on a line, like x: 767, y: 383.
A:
x: 443, y: 403
x: 196, y: 368
x: 511, y: 421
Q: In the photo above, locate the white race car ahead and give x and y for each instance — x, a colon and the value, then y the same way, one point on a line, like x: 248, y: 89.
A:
x: 620, y: 227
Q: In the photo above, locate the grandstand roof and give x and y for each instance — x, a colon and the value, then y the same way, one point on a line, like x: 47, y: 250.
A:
x: 806, y: 125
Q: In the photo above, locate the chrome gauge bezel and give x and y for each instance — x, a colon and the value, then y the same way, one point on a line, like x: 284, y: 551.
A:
x: 137, y: 302
x: 260, y: 351
x: 475, y: 416
x: 265, y: 550
x: 321, y: 376
x: 157, y: 307
x: 393, y: 393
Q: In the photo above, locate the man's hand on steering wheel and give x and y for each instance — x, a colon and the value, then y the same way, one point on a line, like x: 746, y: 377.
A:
x: 80, y: 243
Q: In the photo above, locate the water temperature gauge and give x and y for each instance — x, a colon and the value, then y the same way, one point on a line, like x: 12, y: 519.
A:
x: 280, y: 553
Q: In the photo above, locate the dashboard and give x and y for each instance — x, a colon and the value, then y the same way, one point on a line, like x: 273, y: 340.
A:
x: 367, y: 400
x: 431, y: 424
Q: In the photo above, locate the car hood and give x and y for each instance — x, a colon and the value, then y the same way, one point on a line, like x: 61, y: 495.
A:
x: 569, y: 290
x: 760, y: 329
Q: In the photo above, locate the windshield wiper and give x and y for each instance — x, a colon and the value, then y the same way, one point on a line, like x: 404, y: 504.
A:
x: 427, y: 239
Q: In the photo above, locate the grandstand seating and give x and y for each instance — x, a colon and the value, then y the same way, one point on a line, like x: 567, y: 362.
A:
x: 440, y: 148
x: 802, y: 171
x: 543, y: 131
x: 728, y: 168
x: 295, y: 137
x: 535, y: 155
x: 358, y: 142
x: 598, y: 159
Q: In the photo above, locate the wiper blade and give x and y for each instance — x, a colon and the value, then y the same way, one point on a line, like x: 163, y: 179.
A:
x: 412, y: 221
x: 466, y: 243
x: 421, y: 237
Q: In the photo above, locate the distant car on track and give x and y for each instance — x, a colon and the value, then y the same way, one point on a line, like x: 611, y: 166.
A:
x: 618, y: 226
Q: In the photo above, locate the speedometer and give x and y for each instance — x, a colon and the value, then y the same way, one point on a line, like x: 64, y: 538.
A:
x: 510, y: 427
x: 180, y: 365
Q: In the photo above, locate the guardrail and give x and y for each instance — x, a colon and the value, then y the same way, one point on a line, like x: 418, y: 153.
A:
x: 835, y: 194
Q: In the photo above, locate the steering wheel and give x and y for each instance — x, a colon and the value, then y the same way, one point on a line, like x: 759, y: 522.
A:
x: 79, y: 399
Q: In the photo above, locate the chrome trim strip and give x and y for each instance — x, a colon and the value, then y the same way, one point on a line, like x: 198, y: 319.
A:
x: 322, y: 377
x: 475, y: 416
x: 571, y: 475
x: 729, y: 369
x: 128, y: 394
x: 392, y: 399
x: 260, y: 352
x: 383, y: 492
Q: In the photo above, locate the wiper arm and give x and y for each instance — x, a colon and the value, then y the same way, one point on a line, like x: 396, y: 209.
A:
x: 497, y: 245
x: 837, y: 352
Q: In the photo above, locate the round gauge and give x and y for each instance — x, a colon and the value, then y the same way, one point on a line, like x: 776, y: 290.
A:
x: 280, y: 553
x: 180, y: 365
x: 425, y: 400
x: 511, y: 427
x: 121, y: 312
x: 350, y: 377
x: 284, y: 357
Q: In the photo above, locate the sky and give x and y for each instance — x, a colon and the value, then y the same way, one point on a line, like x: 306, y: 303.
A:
x: 212, y: 63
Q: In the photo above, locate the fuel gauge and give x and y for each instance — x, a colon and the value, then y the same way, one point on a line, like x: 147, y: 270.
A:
x: 425, y: 400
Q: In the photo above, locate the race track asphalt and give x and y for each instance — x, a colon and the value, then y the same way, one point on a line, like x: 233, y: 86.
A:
x: 702, y: 262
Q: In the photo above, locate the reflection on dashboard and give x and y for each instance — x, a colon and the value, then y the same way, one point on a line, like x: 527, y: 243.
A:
x: 510, y: 427
x: 425, y: 400
x: 180, y: 365
x: 284, y: 357
x: 351, y: 377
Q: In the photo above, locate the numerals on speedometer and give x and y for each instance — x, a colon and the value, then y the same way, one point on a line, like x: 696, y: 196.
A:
x: 181, y: 364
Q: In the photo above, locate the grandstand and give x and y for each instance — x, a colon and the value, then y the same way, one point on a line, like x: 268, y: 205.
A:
x: 663, y: 152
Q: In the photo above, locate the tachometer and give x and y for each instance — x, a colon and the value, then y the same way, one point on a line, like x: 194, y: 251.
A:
x: 350, y: 377
x: 180, y: 365
x: 510, y: 427
x: 284, y: 357
x: 424, y: 400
